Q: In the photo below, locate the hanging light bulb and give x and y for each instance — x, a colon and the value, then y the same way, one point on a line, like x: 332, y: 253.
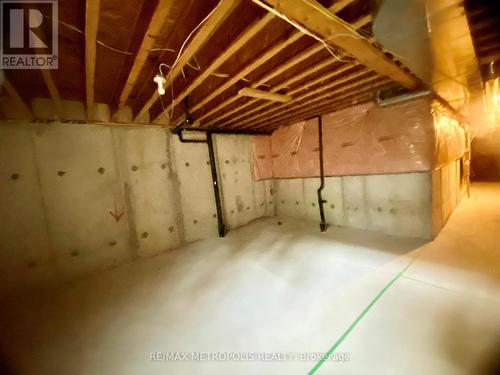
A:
x: 160, y: 81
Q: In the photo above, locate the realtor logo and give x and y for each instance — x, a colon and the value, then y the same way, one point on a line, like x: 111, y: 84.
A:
x: 29, y: 34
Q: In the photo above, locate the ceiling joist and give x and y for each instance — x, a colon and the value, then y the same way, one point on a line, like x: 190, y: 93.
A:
x: 276, y: 72
x: 265, y: 109
x: 244, y: 37
x: 157, y: 20
x: 321, y: 22
x: 358, y: 92
x: 263, y: 58
x: 210, y: 25
x: 91, y: 24
x: 314, y: 96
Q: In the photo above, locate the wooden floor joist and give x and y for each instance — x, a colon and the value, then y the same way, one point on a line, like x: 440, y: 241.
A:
x: 306, y: 95
x: 263, y: 58
x: 298, y: 77
x: 159, y: 16
x: 363, y: 85
x: 203, y: 34
x: 91, y: 24
x: 276, y: 72
x: 305, y: 86
x: 314, y: 96
x: 244, y: 37
x: 321, y: 22
x: 329, y: 103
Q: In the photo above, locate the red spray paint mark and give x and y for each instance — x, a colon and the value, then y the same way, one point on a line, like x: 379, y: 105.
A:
x: 117, y: 214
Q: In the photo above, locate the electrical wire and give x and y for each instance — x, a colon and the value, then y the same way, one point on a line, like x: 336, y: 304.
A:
x: 172, y: 104
x: 192, y: 32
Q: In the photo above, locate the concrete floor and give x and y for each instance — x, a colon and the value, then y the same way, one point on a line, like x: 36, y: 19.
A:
x: 272, y: 288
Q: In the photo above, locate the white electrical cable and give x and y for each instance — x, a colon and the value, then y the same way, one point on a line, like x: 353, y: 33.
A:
x: 300, y: 27
x: 172, y: 105
x: 192, y: 32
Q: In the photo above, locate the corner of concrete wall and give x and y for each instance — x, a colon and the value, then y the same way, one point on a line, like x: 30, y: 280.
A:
x: 395, y: 204
x: 447, y: 191
x: 79, y: 198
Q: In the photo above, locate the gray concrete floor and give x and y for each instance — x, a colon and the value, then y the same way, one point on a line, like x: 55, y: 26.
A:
x: 270, y: 288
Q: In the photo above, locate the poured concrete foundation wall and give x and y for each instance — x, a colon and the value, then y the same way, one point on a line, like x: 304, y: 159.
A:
x: 395, y: 204
x: 78, y: 198
x: 447, y: 191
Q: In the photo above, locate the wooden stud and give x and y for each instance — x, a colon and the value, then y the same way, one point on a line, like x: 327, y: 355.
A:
x: 203, y: 34
x: 321, y: 22
x: 91, y: 24
x: 244, y: 37
x: 159, y: 16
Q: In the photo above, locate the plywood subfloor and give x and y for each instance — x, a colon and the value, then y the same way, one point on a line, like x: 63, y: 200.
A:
x: 285, y: 288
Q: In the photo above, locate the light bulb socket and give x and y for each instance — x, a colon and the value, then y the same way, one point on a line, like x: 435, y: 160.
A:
x: 160, y: 81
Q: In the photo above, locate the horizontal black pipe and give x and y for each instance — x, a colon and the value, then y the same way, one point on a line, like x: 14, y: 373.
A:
x: 219, y: 131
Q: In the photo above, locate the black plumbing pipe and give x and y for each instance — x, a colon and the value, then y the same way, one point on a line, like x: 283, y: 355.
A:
x: 218, y: 131
x: 321, y: 201
x: 213, y: 168
x: 218, y: 205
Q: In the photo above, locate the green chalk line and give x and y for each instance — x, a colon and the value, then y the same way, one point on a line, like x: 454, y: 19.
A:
x: 358, y: 319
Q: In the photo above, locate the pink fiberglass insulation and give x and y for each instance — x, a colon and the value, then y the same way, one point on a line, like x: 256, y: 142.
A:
x: 359, y: 140
x: 261, y: 157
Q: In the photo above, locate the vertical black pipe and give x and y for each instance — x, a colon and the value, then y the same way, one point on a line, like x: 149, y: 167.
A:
x: 220, y: 220
x: 322, y: 223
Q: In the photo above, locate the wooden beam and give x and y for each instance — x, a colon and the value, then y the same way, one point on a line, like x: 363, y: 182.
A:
x: 305, y: 86
x: 328, y: 102
x: 242, y: 39
x: 325, y: 63
x: 266, y: 95
x: 334, y: 106
x: 362, y: 85
x: 54, y: 93
x: 259, y: 113
x: 339, y: 5
x: 314, y: 96
x: 91, y: 24
x: 11, y: 90
x: 350, y: 97
x: 281, y: 69
x: 250, y: 68
x: 321, y: 22
x: 159, y: 16
x: 211, y: 24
